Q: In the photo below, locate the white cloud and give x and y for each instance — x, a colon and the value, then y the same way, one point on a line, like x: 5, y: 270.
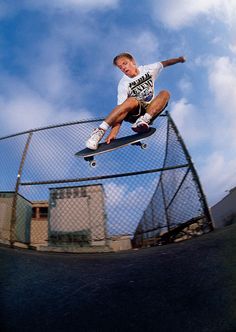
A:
x: 177, y: 14
x: 64, y: 6
x: 218, y: 175
x: 127, y: 205
x: 147, y: 38
x: 46, y: 94
x: 222, y: 82
x: 22, y: 108
x: 217, y: 169
x: 115, y: 194
x: 119, y: 40
x: 185, y: 85
x: 189, y: 121
x: 232, y: 48
x: 121, y: 195
x: 52, y: 79
x: 28, y: 112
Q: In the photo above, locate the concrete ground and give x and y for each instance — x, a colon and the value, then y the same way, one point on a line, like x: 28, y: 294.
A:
x: 189, y: 286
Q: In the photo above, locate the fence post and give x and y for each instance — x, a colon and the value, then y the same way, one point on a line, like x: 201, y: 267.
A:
x: 161, y: 182
x: 14, y: 201
x: 195, y: 175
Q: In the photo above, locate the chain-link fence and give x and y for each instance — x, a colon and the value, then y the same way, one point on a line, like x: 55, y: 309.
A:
x: 52, y: 200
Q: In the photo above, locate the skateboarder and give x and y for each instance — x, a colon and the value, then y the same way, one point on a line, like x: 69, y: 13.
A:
x: 136, y: 101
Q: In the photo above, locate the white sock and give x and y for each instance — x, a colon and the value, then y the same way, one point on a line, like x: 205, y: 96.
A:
x: 104, y: 126
x: 147, y: 117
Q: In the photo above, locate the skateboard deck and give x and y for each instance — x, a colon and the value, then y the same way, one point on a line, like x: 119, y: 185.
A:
x: 118, y: 143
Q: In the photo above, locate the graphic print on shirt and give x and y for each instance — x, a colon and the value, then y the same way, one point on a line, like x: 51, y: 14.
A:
x: 142, y: 88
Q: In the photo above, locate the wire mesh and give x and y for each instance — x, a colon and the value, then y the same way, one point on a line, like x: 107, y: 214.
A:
x: 131, y: 196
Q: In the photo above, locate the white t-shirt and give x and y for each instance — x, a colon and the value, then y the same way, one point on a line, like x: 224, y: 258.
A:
x: 141, y: 86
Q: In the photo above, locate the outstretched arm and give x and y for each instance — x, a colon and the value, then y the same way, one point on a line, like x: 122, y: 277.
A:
x: 173, y: 61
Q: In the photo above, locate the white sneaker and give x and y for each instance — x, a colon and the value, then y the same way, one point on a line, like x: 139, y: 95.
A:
x: 141, y: 125
x: 97, y: 135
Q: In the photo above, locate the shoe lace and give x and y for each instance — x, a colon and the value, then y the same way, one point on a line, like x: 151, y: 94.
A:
x: 97, y: 133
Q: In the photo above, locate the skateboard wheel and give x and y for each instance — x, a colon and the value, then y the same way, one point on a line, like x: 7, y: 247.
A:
x: 92, y: 163
x: 143, y: 146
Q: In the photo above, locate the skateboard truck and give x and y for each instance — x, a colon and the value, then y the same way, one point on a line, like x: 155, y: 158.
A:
x: 142, y: 145
x: 90, y: 159
x: 92, y: 162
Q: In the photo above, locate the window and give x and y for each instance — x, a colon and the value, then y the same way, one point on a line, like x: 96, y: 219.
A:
x: 43, y: 212
x: 34, y: 212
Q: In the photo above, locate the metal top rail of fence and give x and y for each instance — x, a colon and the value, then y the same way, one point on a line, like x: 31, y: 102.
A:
x: 133, y: 198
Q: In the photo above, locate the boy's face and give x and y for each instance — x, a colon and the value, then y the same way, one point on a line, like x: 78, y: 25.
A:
x: 127, y: 66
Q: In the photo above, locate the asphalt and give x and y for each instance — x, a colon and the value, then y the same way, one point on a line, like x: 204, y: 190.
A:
x: 189, y: 286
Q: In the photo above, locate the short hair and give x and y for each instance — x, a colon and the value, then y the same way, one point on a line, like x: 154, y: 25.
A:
x: 122, y: 55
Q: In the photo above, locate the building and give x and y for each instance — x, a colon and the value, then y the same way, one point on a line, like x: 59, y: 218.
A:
x: 224, y: 212
x: 14, y: 227
x: 73, y: 217
x: 77, y: 216
x: 39, y: 223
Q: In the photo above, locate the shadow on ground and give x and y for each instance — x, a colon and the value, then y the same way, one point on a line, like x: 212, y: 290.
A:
x: 190, y: 286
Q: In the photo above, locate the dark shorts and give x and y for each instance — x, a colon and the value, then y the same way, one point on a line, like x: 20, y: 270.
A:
x: 132, y: 117
x: 141, y: 110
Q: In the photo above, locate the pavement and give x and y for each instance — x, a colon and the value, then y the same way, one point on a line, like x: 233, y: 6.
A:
x: 187, y: 286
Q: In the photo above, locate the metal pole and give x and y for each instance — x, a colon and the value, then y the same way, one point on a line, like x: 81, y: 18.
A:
x: 195, y: 175
x: 162, y: 186
x: 14, y: 202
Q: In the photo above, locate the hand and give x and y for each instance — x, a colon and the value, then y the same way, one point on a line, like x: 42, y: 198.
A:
x: 182, y: 59
x: 114, y: 131
x: 110, y: 138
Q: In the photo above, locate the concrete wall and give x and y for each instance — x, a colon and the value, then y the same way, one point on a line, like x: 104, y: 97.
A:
x: 39, y: 224
x: 39, y: 231
x: 23, y: 217
x: 5, y: 217
x: 224, y: 212
x: 78, y: 211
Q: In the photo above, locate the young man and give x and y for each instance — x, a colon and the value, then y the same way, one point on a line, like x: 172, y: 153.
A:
x: 136, y: 101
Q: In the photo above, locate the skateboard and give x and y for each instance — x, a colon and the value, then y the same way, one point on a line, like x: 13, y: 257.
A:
x: 135, y: 139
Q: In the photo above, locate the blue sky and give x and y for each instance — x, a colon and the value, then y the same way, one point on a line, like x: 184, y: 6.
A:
x: 56, y: 66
